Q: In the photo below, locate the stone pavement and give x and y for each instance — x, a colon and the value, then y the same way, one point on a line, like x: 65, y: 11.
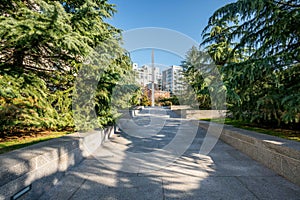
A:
x: 150, y: 162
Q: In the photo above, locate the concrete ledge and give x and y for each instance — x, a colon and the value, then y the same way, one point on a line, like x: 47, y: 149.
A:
x: 278, y: 154
x: 200, y: 114
x: 180, y: 107
x: 43, y: 164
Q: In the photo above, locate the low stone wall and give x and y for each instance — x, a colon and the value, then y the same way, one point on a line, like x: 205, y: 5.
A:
x: 180, y: 107
x: 278, y: 154
x: 200, y: 114
x: 203, y: 114
x: 38, y: 167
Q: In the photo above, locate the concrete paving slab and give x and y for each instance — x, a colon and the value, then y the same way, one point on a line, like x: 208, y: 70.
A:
x: 207, y: 188
x: 93, y: 167
x: 240, y: 168
x: 275, y: 188
x: 120, y: 188
x: 65, y: 188
x: 224, y: 173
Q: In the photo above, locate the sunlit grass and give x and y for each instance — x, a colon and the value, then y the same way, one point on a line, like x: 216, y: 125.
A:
x: 283, y: 133
x: 12, y: 144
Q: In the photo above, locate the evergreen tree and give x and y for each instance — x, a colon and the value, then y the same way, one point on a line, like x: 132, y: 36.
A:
x: 43, y: 45
x: 194, y: 75
x: 263, y: 81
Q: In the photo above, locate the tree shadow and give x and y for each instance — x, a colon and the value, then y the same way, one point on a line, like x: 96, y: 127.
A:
x: 39, y: 166
x: 224, y: 173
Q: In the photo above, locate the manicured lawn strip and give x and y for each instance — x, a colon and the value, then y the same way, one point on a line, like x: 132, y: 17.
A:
x: 12, y: 144
x: 283, y: 133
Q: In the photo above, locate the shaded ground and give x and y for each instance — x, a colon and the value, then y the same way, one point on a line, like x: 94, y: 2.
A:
x: 122, y: 168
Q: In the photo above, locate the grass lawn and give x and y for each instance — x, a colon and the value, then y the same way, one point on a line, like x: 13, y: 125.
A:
x: 283, y: 133
x: 11, y: 143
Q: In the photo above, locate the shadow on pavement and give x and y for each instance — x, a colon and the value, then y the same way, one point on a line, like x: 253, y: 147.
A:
x: 224, y: 173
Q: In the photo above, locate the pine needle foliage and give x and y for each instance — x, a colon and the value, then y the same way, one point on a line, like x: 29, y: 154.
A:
x: 260, y: 61
x: 43, y: 46
x: 194, y: 75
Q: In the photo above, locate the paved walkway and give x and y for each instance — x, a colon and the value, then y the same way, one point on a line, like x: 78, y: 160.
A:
x: 123, y: 167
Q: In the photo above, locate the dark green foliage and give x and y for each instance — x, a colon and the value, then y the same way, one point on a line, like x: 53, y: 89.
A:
x: 119, y: 70
x: 202, y: 75
x: 194, y: 76
x: 25, y: 102
x: 43, y: 47
x: 260, y: 61
x: 169, y: 101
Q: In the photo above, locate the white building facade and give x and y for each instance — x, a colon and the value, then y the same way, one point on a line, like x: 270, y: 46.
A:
x: 145, y: 75
x: 172, y: 79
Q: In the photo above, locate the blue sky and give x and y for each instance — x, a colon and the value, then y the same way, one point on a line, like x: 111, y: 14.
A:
x: 187, y: 17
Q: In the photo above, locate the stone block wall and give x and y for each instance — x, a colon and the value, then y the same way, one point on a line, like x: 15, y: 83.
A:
x: 42, y: 165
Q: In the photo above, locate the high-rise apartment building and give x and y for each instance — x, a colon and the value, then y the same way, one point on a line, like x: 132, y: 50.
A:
x: 172, y: 79
x: 145, y: 75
